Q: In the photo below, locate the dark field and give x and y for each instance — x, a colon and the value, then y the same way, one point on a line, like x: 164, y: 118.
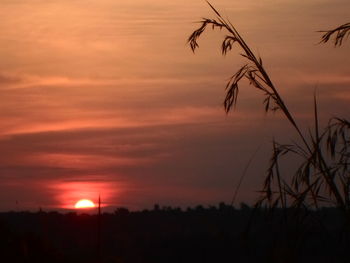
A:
x: 214, y: 234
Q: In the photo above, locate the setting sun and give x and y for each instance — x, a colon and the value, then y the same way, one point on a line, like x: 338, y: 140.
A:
x: 84, y: 203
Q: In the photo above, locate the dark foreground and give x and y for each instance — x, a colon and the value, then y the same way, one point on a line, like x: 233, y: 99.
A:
x: 215, y: 234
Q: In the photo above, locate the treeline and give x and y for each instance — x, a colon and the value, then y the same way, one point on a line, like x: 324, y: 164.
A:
x: 167, y: 234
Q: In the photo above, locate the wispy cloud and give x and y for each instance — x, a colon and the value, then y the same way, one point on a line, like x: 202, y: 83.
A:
x: 104, y: 94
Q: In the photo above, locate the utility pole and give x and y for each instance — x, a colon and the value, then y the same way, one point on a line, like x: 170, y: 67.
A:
x: 99, y: 230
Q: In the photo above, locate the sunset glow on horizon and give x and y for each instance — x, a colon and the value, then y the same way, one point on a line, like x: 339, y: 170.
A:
x: 67, y: 194
x: 84, y: 203
x: 106, y: 98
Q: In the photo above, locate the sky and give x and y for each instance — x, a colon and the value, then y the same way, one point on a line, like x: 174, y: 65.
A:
x: 105, y: 97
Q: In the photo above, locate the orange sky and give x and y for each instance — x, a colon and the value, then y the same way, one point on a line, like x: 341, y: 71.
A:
x: 105, y: 95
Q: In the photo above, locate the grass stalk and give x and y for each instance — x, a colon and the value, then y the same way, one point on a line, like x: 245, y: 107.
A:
x: 316, y: 173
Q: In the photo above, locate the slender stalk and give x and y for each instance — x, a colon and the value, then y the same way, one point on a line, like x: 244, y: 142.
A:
x: 315, y: 163
x: 258, y: 64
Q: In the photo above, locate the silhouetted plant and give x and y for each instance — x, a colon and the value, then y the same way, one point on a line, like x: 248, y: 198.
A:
x: 340, y: 33
x: 323, y: 175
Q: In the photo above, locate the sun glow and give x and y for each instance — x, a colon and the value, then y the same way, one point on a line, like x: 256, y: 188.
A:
x: 84, y: 203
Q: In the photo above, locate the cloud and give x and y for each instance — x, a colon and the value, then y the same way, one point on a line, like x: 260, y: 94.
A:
x: 111, y: 95
x: 9, y: 79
